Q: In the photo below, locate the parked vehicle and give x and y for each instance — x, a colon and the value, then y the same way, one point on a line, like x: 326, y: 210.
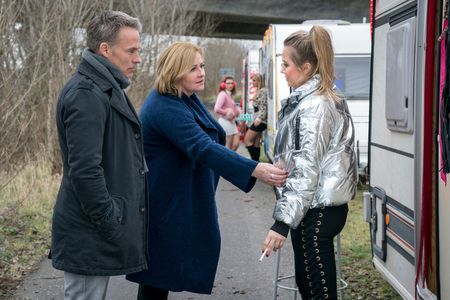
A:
x: 352, y: 46
x: 408, y: 206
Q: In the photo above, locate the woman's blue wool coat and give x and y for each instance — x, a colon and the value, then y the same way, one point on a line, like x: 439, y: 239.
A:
x: 183, y: 146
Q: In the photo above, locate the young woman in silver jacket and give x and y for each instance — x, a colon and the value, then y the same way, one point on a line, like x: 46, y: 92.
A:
x: 315, y: 143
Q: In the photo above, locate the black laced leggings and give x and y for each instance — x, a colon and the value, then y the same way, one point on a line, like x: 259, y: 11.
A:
x: 315, y: 266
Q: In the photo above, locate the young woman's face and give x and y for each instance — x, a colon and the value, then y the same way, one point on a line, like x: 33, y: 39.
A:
x: 256, y: 83
x: 194, y: 81
x: 229, y: 84
x: 295, y: 76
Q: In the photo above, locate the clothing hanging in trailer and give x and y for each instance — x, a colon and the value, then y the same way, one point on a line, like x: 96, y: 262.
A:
x: 444, y: 102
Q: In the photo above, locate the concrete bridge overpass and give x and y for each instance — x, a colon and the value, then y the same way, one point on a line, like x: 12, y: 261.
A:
x: 248, y: 19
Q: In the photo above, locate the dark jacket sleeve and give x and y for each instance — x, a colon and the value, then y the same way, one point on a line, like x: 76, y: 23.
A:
x: 180, y: 127
x: 281, y: 228
x: 84, y: 117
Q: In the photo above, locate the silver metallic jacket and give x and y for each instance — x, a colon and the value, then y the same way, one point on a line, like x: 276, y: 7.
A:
x: 315, y: 143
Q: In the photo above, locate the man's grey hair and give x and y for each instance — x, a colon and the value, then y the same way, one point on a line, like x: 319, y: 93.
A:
x: 105, y: 27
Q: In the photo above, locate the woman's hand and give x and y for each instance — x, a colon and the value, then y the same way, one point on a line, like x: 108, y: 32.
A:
x: 229, y: 114
x: 273, y: 242
x: 256, y: 122
x: 270, y: 174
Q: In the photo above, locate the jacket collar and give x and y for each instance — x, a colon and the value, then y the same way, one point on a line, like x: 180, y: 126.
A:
x: 306, y: 89
x: 108, y: 77
x: 105, y: 69
x: 194, y: 104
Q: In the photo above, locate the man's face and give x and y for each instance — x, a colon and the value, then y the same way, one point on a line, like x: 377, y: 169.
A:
x: 124, y: 54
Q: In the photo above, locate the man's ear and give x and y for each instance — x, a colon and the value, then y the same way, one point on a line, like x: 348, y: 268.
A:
x: 104, y: 49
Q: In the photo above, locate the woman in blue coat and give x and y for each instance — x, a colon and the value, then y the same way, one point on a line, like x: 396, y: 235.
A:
x: 183, y: 146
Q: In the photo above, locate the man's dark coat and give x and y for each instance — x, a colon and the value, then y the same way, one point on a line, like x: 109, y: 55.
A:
x: 99, y: 220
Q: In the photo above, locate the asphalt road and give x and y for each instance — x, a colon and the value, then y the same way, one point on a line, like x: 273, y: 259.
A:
x: 244, y: 221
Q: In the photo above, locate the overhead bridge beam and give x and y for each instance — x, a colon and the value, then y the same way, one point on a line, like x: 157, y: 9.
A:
x: 249, y: 19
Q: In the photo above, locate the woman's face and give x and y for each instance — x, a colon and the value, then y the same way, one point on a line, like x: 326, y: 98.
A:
x: 194, y: 81
x: 229, y: 84
x: 256, y: 83
x: 295, y: 76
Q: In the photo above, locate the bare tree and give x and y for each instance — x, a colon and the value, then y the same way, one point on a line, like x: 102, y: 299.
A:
x: 221, y: 53
x: 36, y: 58
x: 40, y: 46
x: 164, y: 22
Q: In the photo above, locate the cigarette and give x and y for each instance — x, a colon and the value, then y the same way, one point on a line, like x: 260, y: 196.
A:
x: 264, y: 254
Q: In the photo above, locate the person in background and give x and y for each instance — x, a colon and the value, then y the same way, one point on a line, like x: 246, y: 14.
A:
x: 253, y: 135
x: 99, y: 219
x: 184, y: 149
x: 228, y: 111
x: 314, y: 142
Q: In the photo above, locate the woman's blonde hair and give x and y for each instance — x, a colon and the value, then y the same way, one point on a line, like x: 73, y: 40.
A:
x: 315, y: 47
x: 173, y: 63
x: 258, y: 78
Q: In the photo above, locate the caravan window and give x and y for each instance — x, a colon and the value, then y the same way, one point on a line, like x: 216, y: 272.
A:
x: 352, y: 76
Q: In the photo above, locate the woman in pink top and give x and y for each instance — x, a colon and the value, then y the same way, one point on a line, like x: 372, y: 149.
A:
x: 228, y: 111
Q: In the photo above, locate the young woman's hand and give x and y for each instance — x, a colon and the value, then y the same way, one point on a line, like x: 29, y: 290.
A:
x: 229, y: 114
x: 257, y: 121
x: 273, y: 242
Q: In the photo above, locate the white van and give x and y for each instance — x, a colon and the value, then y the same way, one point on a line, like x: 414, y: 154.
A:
x: 352, y: 47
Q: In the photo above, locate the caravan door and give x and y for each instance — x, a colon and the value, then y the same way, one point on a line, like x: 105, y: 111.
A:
x: 396, y: 142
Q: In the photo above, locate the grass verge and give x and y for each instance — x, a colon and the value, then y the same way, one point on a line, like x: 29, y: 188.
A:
x: 26, y: 205
x: 364, y: 281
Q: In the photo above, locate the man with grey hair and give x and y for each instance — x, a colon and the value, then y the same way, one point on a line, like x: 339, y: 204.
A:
x: 99, y: 219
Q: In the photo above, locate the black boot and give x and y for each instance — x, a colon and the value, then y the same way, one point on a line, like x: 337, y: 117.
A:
x: 146, y: 292
x: 257, y: 153
x: 250, y: 150
x: 254, y: 152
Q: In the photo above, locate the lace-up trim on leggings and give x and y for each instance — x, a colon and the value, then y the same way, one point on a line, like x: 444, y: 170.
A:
x: 315, y: 267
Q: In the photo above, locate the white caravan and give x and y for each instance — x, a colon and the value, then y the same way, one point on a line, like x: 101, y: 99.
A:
x: 352, y: 46
x: 408, y: 207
